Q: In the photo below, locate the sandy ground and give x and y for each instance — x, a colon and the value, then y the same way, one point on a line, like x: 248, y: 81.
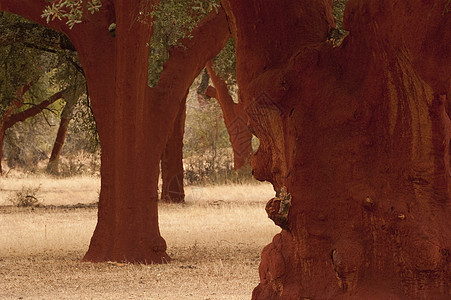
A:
x: 215, y: 241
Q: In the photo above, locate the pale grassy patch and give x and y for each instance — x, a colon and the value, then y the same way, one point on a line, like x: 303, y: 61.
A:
x: 215, y: 240
x: 53, y: 191
x: 246, y: 193
x: 26, y: 232
x: 85, y: 190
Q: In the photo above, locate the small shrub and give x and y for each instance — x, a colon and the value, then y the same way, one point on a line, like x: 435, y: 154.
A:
x: 26, y: 197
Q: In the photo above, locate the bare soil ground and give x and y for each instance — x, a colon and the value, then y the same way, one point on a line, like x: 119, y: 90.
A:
x: 215, y: 241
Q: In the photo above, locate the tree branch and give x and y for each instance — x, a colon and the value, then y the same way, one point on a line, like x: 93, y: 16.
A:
x: 222, y: 91
x: 185, y: 62
x: 32, y: 111
x: 32, y: 10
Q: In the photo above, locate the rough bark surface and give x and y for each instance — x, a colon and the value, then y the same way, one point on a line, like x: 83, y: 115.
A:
x: 235, y: 119
x: 132, y: 119
x: 356, y: 141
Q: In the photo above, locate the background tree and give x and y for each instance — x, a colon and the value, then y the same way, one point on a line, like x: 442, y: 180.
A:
x: 206, y: 150
x: 31, y: 50
x: 235, y: 118
x: 22, y: 77
x: 173, y: 20
x: 222, y: 73
x: 71, y: 100
x: 11, y: 116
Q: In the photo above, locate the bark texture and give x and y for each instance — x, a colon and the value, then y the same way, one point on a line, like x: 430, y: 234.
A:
x: 235, y: 119
x: 132, y: 119
x: 356, y: 141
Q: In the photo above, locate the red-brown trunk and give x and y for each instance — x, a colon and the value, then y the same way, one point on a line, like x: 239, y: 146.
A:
x: 127, y: 228
x: 132, y: 119
x: 172, y: 161
x: 134, y: 131
x: 53, y: 164
x: 66, y: 116
x: 235, y: 119
x: 30, y: 112
x: 356, y: 142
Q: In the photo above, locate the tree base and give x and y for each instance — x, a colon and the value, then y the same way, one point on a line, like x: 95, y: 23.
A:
x: 144, y: 258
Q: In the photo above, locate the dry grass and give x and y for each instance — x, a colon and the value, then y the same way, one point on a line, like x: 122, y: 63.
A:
x: 62, y: 191
x: 215, y: 241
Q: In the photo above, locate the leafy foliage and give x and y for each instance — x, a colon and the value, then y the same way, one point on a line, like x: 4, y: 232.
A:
x: 338, y: 34
x: 82, y: 135
x: 47, y: 69
x: 207, y: 152
x: 207, y: 149
x: 14, y: 72
x: 28, y: 62
x: 173, y: 20
x: 225, y: 63
x: 72, y: 10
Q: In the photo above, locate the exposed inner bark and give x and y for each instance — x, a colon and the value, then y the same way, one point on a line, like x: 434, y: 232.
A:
x: 136, y: 177
x: 358, y: 136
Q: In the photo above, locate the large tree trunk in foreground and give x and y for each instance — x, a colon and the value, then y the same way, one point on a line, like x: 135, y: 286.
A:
x: 235, y: 119
x: 128, y: 215
x: 132, y: 119
x: 172, y: 160
x: 356, y: 141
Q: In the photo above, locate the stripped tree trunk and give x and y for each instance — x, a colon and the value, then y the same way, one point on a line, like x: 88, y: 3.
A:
x: 355, y: 140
